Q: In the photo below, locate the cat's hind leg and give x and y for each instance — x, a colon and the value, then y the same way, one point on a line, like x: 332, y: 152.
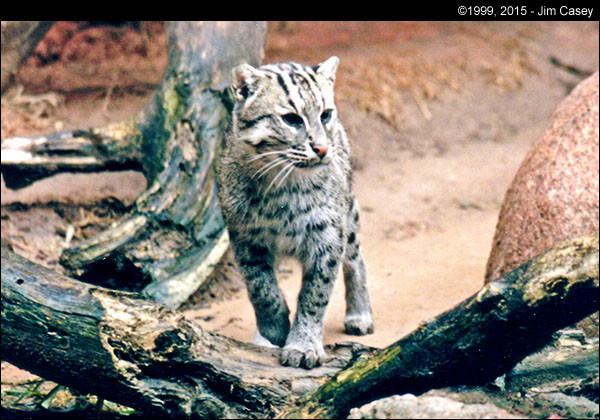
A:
x: 359, y: 318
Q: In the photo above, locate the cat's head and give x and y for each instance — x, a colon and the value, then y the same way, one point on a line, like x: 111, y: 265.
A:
x: 285, y: 113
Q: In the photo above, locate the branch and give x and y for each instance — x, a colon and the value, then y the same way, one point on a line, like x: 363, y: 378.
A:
x: 26, y: 160
x: 139, y: 353
x: 480, y: 339
x: 143, y: 355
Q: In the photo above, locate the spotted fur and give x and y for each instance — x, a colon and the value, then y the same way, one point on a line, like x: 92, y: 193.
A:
x: 285, y: 189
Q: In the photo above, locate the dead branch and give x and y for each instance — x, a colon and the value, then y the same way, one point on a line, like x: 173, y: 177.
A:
x: 480, y: 339
x: 141, y: 354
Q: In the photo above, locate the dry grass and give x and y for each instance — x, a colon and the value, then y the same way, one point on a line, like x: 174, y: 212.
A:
x: 390, y: 69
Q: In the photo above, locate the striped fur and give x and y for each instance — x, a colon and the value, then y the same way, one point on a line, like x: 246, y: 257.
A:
x: 285, y: 189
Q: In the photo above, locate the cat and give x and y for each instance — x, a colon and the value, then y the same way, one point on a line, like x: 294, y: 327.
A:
x: 284, y: 183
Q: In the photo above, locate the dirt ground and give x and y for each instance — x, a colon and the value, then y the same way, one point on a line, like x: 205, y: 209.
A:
x: 439, y: 114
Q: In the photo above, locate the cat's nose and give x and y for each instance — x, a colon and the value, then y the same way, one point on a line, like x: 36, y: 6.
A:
x: 321, y: 151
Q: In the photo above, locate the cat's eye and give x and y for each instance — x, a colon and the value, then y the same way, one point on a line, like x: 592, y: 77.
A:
x: 292, y: 119
x: 326, y: 116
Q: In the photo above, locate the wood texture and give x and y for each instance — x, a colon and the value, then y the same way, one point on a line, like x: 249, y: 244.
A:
x: 483, y: 337
x: 141, y: 354
x: 174, y: 235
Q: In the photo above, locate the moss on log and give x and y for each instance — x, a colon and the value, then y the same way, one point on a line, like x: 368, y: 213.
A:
x: 478, y: 340
x: 174, y: 235
x: 141, y: 354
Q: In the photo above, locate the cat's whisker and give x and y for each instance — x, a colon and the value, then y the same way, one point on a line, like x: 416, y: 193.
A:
x: 297, y: 155
x: 260, y: 155
x: 281, y: 171
x: 291, y: 168
x: 301, y: 160
x: 268, y: 166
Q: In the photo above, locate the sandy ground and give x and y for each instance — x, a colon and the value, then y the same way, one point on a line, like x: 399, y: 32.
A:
x: 440, y: 116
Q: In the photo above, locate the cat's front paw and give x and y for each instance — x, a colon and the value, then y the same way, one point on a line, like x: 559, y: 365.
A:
x: 306, y: 356
x: 262, y: 341
x: 359, y: 324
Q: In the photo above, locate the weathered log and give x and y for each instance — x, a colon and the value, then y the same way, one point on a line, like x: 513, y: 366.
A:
x: 141, y: 354
x: 174, y: 235
x: 29, y: 159
x: 483, y: 337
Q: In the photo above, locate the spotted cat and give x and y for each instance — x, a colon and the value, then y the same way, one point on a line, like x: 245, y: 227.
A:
x: 285, y: 189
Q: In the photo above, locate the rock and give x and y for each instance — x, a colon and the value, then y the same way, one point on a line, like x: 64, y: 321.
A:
x: 554, y: 195
x: 431, y: 405
x: 568, y: 366
x: 568, y: 406
x: 552, y: 198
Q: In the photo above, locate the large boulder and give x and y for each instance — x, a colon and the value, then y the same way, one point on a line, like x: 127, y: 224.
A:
x: 554, y: 195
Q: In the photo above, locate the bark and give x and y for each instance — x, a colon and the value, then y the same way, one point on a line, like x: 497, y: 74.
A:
x: 143, y: 355
x: 19, y: 39
x: 480, y: 339
x: 140, y: 353
x: 175, y: 234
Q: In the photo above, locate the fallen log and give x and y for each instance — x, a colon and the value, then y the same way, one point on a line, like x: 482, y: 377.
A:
x: 480, y: 339
x: 141, y: 354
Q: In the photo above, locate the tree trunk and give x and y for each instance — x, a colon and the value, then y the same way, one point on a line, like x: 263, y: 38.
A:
x: 175, y: 234
x: 19, y: 39
x: 143, y: 355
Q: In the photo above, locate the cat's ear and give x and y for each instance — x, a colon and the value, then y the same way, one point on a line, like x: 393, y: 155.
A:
x: 328, y: 68
x: 243, y: 78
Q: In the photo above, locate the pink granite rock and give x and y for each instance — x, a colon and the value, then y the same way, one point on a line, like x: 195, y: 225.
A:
x: 554, y: 195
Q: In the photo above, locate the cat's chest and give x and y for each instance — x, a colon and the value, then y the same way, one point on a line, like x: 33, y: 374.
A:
x: 291, y: 220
